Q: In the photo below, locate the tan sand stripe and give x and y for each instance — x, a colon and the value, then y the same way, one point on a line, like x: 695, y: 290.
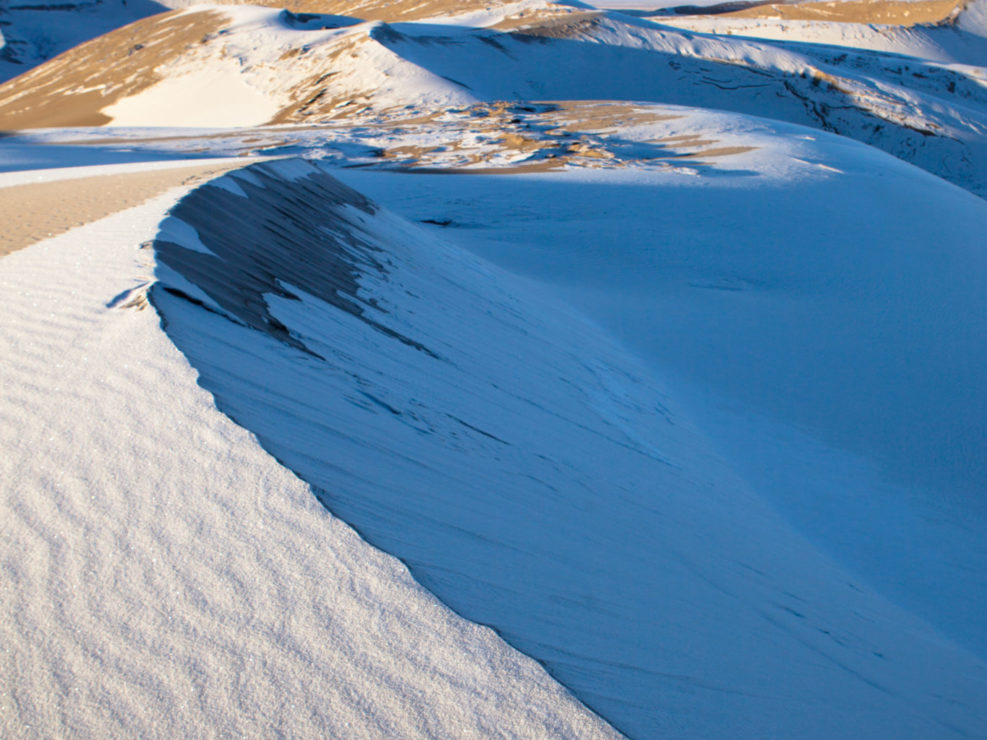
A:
x: 36, y: 211
x: 886, y: 12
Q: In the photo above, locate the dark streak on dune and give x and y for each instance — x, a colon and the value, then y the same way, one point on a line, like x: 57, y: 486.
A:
x: 287, y: 234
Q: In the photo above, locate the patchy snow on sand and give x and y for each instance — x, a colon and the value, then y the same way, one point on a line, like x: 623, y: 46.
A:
x: 162, y: 576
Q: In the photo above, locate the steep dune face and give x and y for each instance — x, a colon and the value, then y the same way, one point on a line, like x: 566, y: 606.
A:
x: 162, y: 576
x: 531, y: 473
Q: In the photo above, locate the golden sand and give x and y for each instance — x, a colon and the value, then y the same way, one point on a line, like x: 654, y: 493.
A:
x: 883, y: 12
x: 36, y: 211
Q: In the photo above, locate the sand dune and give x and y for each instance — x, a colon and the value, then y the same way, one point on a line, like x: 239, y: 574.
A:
x: 417, y: 388
x: 74, y: 87
x: 240, y: 66
x: 670, y: 412
x: 162, y: 576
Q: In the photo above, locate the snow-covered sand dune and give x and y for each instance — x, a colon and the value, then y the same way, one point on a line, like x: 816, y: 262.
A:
x: 33, y: 31
x: 227, y: 66
x: 675, y: 389
x: 533, y: 474
x: 832, y: 351
x: 162, y: 576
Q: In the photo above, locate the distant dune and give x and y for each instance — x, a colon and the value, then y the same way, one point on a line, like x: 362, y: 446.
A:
x: 240, y: 66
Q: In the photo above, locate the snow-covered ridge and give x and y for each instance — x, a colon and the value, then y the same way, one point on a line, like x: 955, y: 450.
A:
x: 533, y: 474
x: 162, y: 576
x: 245, y: 66
x: 33, y: 31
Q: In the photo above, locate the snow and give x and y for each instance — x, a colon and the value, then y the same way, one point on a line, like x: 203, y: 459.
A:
x: 163, y: 575
x: 811, y: 324
x: 215, y: 96
x: 541, y: 479
x: 653, y: 409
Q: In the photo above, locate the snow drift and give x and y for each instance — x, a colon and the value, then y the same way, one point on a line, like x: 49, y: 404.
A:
x: 163, y: 576
x: 533, y: 474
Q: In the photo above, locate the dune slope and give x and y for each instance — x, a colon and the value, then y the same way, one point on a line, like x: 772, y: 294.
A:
x: 246, y: 66
x: 162, y: 576
x: 532, y: 474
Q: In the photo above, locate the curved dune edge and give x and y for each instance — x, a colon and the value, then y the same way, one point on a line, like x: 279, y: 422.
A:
x: 163, y: 576
x: 511, y: 454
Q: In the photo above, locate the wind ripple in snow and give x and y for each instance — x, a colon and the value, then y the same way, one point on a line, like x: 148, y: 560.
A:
x: 161, y: 576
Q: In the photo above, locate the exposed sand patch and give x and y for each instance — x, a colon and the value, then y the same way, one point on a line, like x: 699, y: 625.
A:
x: 537, y: 135
x: 884, y: 12
x: 604, y: 115
x: 73, y: 88
x: 37, y: 211
x: 314, y: 96
x: 550, y: 135
x: 375, y: 10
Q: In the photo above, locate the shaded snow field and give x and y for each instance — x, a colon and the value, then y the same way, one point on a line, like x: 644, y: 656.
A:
x: 736, y: 488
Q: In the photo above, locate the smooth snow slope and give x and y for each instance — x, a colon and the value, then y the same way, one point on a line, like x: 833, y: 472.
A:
x: 162, y: 576
x: 531, y: 473
x: 823, y: 311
